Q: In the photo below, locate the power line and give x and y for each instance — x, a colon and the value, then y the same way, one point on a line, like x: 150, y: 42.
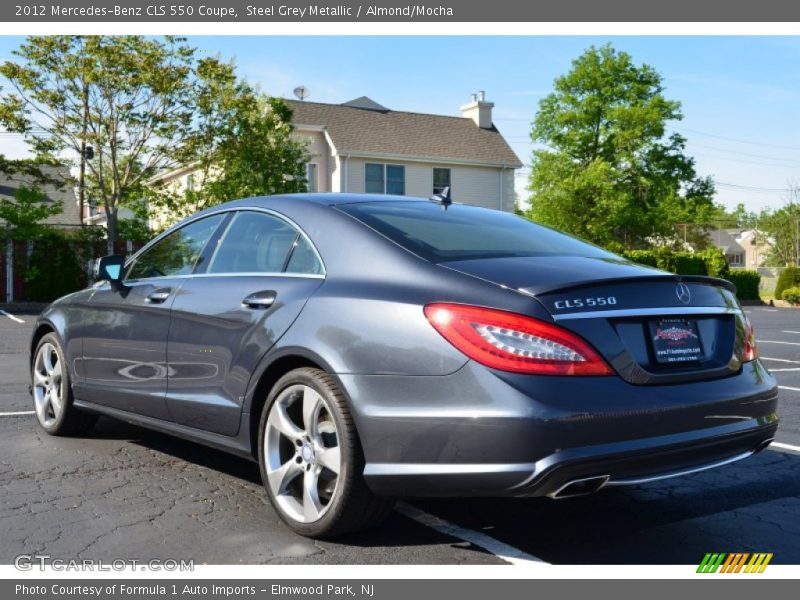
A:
x: 794, y: 160
x: 698, y: 132
x: 737, y: 140
x: 744, y: 161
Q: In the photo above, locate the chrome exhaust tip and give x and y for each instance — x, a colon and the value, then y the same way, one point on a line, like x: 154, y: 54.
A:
x: 580, y: 487
x: 764, y: 445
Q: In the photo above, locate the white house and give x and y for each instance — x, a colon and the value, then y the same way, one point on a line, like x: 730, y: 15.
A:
x: 361, y: 146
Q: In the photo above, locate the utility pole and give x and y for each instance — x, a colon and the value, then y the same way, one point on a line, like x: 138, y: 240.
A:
x: 82, y: 176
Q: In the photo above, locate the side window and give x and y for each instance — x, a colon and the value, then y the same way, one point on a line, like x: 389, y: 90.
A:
x: 304, y: 259
x: 177, y: 253
x: 254, y: 243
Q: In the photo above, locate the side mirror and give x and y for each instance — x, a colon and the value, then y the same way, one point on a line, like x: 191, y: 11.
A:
x: 109, y: 268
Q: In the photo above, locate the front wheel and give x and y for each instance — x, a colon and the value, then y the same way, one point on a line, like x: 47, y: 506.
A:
x: 52, y: 393
x: 311, y: 460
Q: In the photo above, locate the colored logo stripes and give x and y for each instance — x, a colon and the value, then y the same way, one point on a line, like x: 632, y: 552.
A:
x: 735, y: 562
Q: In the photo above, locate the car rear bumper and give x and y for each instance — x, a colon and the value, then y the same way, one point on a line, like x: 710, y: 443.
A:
x: 480, y: 433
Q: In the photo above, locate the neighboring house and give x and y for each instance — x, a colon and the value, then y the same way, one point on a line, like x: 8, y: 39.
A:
x: 69, y: 215
x: 744, y: 248
x: 756, y: 246
x: 363, y: 147
x: 726, y: 241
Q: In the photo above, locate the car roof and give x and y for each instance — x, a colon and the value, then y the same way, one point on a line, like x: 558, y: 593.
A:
x: 333, y: 198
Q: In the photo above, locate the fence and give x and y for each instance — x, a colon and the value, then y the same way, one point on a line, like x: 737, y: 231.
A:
x: 22, y: 281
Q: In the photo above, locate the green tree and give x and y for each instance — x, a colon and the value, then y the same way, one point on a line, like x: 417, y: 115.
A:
x: 604, y: 168
x: 128, y: 97
x: 24, y: 215
x: 241, y: 145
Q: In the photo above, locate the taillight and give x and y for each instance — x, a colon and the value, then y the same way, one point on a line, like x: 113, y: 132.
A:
x: 750, y: 347
x: 511, y: 342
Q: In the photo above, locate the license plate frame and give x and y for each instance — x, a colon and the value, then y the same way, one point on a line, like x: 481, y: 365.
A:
x: 675, y: 340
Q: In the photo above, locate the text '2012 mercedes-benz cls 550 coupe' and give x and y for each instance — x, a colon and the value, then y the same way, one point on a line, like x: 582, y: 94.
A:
x: 365, y: 347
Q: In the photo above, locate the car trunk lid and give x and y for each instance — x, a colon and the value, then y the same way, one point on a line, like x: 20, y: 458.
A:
x: 651, y: 326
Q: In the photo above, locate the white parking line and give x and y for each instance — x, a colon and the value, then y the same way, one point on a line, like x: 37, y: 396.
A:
x: 786, y: 331
x: 784, y: 370
x: 501, y: 550
x: 20, y: 413
x: 786, y: 387
x: 778, y: 342
x: 783, y: 446
x: 12, y: 317
x: 783, y: 360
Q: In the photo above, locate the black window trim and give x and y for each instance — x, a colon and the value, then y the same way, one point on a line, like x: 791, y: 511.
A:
x: 130, y: 262
x: 449, y: 179
x: 385, y: 180
x: 226, y: 223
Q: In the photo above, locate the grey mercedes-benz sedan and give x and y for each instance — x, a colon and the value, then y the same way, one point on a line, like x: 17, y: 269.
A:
x: 365, y: 347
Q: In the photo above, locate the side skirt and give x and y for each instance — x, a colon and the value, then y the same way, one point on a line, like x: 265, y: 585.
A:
x: 239, y: 445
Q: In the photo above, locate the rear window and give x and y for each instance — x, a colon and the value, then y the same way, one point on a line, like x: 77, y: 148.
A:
x: 465, y: 232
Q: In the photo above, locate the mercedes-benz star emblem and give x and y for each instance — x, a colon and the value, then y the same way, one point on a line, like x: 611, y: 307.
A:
x: 683, y: 293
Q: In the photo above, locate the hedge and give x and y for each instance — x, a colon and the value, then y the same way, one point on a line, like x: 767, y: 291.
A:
x: 746, y: 283
x: 791, y: 295
x: 53, y: 268
x: 682, y: 263
x: 709, y: 262
x: 788, y: 279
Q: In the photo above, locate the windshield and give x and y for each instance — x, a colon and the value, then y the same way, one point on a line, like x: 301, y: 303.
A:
x: 465, y: 232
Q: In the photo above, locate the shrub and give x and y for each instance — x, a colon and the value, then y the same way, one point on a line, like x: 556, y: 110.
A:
x: 746, y: 283
x: 682, y: 263
x: 716, y: 263
x: 791, y: 295
x: 690, y: 264
x: 615, y: 247
x: 53, y: 268
x: 789, y: 278
x: 643, y: 257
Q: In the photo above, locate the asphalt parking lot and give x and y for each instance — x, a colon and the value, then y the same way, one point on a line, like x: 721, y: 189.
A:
x: 124, y: 492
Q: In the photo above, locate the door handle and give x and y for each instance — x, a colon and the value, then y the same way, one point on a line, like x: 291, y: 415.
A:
x: 263, y: 299
x: 158, y: 296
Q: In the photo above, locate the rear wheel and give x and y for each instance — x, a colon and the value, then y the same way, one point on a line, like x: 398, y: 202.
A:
x: 311, y: 460
x: 52, y: 393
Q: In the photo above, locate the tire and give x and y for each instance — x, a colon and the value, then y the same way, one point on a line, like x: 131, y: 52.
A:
x: 52, y: 391
x: 305, y: 433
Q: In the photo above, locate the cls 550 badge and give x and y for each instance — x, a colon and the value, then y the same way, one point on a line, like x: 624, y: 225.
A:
x: 592, y: 302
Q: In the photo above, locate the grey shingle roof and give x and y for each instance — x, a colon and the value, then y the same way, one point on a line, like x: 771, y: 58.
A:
x: 369, y: 131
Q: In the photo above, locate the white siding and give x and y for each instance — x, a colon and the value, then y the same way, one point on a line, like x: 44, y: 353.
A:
x: 479, y: 186
x: 320, y: 154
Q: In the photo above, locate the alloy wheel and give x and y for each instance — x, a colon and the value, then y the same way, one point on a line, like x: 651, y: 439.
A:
x: 302, y: 454
x: 48, y: 392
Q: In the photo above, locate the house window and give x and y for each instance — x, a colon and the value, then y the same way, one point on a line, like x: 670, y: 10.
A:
x: 441, y: 180
x: 190, y: 182
x: 736, y: 259
x: 311, y: 177
x: 384, y: 179
x: 395, y: 179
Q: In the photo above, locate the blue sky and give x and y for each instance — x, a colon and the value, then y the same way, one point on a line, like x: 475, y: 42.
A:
x: 740, y: 95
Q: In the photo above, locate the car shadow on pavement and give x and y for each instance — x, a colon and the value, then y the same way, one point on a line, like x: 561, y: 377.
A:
x: 397, y: 531
x: 753, y: 506
x: 217, y: 460
x: 750, y: 506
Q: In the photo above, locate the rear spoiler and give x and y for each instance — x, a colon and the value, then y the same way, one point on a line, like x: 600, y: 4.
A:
x: 701, y: 279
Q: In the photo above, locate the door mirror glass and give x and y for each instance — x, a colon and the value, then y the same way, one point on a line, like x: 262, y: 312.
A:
x: 109, y: 268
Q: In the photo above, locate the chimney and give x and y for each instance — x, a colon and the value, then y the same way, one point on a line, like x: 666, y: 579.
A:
x: 479, y: 110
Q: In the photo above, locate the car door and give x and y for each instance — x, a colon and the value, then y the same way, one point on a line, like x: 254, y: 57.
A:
x: 252, y: 285
x: 125, y: 344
